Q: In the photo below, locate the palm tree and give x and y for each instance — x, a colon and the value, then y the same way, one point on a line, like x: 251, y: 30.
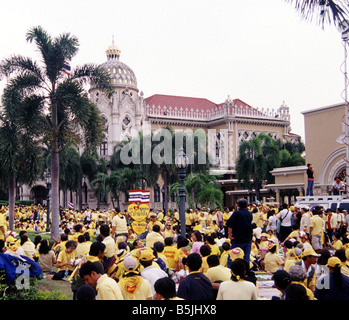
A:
x: 337, y: 10
x: 70, y: 169
x: 71, y: 115
x: 20, y: 156
x: 256, y: 158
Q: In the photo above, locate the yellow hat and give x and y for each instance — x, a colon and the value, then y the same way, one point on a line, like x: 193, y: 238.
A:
x: 236, y: 253
x: 334, y: 262
x: 310, y: 252
x: 10, y: 241
x: 146, y: 255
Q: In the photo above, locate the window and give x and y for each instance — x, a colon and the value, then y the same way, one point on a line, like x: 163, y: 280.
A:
x: 104, y: 148
x: 156, y: 193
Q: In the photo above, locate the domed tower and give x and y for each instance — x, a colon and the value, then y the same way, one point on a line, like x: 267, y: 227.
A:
x: 124, y: 111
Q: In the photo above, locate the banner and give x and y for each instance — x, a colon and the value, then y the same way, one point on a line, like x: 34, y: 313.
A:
x: 141, y: 196
x: 139, y: 227
x: 138, y: 212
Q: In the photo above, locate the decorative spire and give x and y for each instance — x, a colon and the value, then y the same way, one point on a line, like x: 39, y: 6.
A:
x: 113, y: 52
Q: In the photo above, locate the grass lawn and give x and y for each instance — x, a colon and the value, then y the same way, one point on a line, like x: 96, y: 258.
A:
x: 62, y: 286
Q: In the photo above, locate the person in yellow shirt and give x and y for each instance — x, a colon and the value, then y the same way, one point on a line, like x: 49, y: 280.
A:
x: 83, y: 247
x: 224, y: 255
x: 168, y: 231
x: 160, y: 216
x: 205, y: 252
x: 272, y: 260
x: 216, y: 273
x: 153, y: 221
x: 159, y: 248
x: 3, y: 225
x: 65, y: 260
x: 181, y: 252
x: 317, y: 225
x: 336, y: 243
x: 133, y: 286
x: 59, y: 245
x: 225, y: 217
x: 214, y: 248
x: 154, y: 236
x: 106, y: 287
x: 119, y: 225
x: 169, y: 252
x: 27, y: 246
x: 189, y: 219
x: 212, y: 216
x: 175, y: 215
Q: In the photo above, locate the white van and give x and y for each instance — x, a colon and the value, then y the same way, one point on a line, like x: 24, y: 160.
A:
x: 332, y: 202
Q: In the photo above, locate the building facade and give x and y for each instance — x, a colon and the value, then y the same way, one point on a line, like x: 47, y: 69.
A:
x: 128, y: 111
x: 326, y: 148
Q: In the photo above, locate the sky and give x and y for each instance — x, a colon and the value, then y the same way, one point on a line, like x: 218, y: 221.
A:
x: 261, y: 52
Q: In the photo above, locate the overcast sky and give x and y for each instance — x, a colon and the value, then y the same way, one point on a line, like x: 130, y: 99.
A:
x: 258, y: 51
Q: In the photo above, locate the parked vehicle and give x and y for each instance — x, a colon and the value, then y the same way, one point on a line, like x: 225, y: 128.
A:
x: 332, y: 202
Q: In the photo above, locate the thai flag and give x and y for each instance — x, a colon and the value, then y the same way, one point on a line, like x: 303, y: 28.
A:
x: 142, y: 196
x: 70, y: 204
x: 66, y: 68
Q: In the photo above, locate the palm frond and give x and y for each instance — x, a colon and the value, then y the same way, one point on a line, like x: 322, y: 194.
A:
x: 316, y: 9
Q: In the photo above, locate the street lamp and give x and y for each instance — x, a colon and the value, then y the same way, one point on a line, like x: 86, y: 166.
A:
x: 48, y: 186
x: 344, y: 29
x: 181, y: 162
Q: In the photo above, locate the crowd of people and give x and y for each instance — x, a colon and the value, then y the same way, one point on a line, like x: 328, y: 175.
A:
x: 304, y: 250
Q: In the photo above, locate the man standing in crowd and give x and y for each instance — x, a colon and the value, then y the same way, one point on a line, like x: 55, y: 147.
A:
x: 240, y: 229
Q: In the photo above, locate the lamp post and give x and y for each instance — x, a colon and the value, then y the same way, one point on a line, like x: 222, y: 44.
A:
x: 344, y: 29
x: 181, y: 162
x: 48, y: 187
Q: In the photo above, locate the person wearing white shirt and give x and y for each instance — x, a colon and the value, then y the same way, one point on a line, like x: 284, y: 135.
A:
x: 285, y: 216
x: 305, y: 220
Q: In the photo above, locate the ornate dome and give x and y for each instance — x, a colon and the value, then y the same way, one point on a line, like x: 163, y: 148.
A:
x: 122, y: 75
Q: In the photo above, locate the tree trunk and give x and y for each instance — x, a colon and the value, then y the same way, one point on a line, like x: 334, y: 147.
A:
x: 165, y: 175
x: 55, y: 189
x: 11, y: 200
x: 80, y: 195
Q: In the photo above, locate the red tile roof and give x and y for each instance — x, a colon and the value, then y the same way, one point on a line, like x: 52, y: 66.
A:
x: 180, y: 102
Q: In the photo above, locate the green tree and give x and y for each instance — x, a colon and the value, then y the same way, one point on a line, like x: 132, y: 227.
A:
x: 200, y: 189
x: 71, y: 115
x: 256, y: 158
x: 21, y: 157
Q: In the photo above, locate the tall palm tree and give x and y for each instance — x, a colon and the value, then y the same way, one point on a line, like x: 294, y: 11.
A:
x: 71, y: 115
x: 20, y: 156
x: 325, y: 11
x: 256, y: 158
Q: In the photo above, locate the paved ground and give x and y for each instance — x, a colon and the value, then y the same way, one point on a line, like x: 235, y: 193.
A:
x: 265, y: 286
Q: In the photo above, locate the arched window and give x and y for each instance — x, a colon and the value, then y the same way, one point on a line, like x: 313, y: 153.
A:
x: 156, y: 195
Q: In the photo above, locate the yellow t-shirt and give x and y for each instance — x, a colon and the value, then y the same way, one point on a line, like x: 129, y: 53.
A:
x: 338, y: 245
x: 110, y: 247
x: 82, y: 249
x: 138, y: 288
x: 65, y: 257
x: 215, y: 250
x: 2, y: 224
x: 120, y: 224
x: 108, y: 289
x: 272, y: 262
x: 169, y: 252
x: 218, y: 273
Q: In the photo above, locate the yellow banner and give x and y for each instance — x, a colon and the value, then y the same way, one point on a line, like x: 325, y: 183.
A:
x: 138, y: 212
x: 139, y: 226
